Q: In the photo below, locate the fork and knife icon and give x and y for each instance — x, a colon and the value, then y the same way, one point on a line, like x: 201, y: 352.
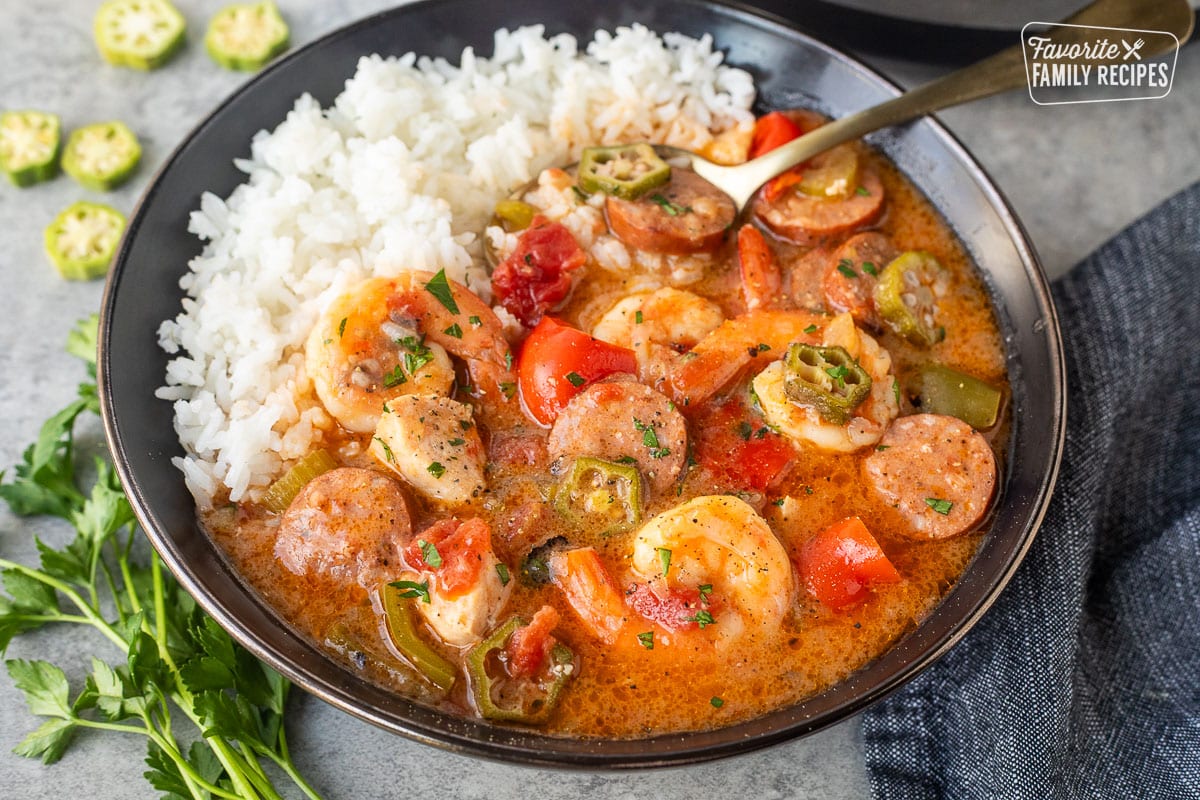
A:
x: 1132, y: 50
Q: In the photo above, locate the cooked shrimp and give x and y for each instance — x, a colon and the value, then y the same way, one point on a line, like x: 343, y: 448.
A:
x: 388, y: 337
x: 432, y: 443
x: 867, y: 422
x: 658, y: 326
x: 465, y: 589
x: 347, y: 524
x: 722, y: 354
x: 718, y: 546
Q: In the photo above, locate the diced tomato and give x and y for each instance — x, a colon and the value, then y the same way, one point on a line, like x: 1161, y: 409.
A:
x: 674, y: 609
x: 777, y: 186
x: 771, y: 131
x: 557, y: 362
x: 535, y: 278
x: 735, y: 446
x: 462, y: 547
x: 841, y: 563
x: 590, y: 590
x: 529, y: 646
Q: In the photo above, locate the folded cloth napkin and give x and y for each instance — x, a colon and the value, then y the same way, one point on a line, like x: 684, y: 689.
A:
x: 1084, y: 679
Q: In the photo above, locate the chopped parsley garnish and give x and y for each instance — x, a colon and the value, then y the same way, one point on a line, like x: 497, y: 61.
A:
x: 862, y: 191
x: 846, y: 267
x: 896, y: 390
x: 940, y: 506
x: 386, y: 410
x: 762, y: 347
x: 529, y: 259
x: 626, y: 460
x: 882, y: 447
x: 669, y: 207
x: 456, y: 442
x: 576, y: 379
x: 637, y: 317
x: 418, y: 354
x: 762, y: 432
x: 436, y: 469
x: 342, y: 327
x: 664, y: 558
x: 508, y: 359
x: 705, y: 590
x: 387, y: 451
x: 465, y: 424
x: 430, y: 553
x: 646, y: 639
x: 439, y: 287
x: 650, y: 439
x: 811, y: 329
x: 475, y: 321
x: 413, y: 589
x: 777, y: 502
x: 717, y: 702
x: 509, y: 389
x: 454, y: 330
x: 502, y: 571
x: 703, y: 619
x: 838, y: 374
x: 745, y: 430
x: 870, y: 268
x: 394, y: 378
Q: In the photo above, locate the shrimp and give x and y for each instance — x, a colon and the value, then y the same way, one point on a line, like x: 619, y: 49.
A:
x: 718, y: 546
x: 721, y: 355
x: 389, y: 337
x: 658, y: 326
x: 868, y: 421
x: 433, y: 444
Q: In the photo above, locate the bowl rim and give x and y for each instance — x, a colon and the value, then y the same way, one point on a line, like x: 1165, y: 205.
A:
x: 517, y: 750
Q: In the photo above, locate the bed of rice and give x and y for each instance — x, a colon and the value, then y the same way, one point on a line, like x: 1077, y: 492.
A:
x: 402, y: 172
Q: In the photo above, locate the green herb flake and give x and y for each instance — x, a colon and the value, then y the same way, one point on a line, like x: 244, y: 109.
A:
x: 417, y: 354
x: 705, y: 590
x: 838, y: 374
x: 576, y: 379
x: 846, y: 267
x: 430, y: 553
x: 454, y: 330
x: 529, y: 259
x: 703, y: 619
x: 940, y: 506
x: 650, y: 439
x: 669, y: 207
x: 394, y: 378
x: 436, y: 469
x: 646, y: 639
x: 664, y: 558
x: 777, y: 502
x: 745, y: 430
x: 862, y: 192
x: 508, y: 389
x: 475, y: 321
x: 342, y: 327
x: 717, y: 702
x: 413, y: 589
x: 387, y: 451
x: 811, y: 329
x: 502, y: 571
x: 456, y: 442
x: 439, y: 287
x: 626, y: 460
x: 870, y: 268
x: 882, y: 447
x: 637, y: 317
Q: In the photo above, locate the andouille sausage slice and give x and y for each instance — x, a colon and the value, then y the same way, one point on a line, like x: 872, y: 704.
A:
x: 623, y: 419
x: 849, y: 281
x: 935, y: 471
x: 347, y: 524
x: 685, y: 215
x: 804, y: 218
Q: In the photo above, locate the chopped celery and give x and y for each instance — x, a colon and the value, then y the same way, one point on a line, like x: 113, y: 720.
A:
x: 82, y: 240
x: 402, y: 630
x: 284, y: 490
x: 142, y: 34
x: 29, y: 145
x: 245, y: 36
x: 102, y: 156
x: 947, y: 391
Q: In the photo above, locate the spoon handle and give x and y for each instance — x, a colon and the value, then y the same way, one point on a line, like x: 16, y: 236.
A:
x: 998, y: 73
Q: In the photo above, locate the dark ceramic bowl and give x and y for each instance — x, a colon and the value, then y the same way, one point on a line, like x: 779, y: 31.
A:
x: 791, y: 69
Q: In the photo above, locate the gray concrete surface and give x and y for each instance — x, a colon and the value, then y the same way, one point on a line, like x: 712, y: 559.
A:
x: 1076, y: 175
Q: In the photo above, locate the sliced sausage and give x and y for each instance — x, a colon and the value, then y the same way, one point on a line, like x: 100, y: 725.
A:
x: 849, y: 280
x: 347, y: 524
x: 935, y: 471
x: 621, y: 420
x: 685, y: 215
x: 804, y: 218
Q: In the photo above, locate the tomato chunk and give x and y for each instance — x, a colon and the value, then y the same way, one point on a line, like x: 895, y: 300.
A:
x: 735, y: 446
x: 674, y: 609
x: 536, y: 278
x: 557, y: 362
x: 461, y: 547
x: 841, y: 564
x: 771, y: 131
x: 591, y: 592
x: 529, y: 646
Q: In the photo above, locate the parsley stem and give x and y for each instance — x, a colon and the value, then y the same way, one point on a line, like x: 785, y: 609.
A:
x: 195, y: 781
x: 112, y: 588
x: 92, y: 616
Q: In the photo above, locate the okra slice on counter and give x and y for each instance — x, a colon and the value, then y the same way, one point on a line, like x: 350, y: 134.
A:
x: 142, y: 34
x: 82, y: 240
x: 245, y: 36
x: 29, y: 146
x: 102, y: 156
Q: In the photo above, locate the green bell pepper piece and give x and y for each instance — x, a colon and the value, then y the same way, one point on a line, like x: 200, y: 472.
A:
x: 601, y: 490
x: 826, y: 378
x: 947, y: 391
x: 245, y: 36
x: 906, y: 297
x: 102, y: 156
x: 29, y: 145
x: 82, y: 240
x: 531, y: 701
x: 141, y: 34
x: 626, y: 171
x: 402, y: 629
x: 281, y: 493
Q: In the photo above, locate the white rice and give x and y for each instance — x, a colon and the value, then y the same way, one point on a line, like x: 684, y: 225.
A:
x: 401, y: 173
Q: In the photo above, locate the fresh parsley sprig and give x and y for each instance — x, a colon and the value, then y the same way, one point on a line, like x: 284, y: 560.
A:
x: 176, y: 659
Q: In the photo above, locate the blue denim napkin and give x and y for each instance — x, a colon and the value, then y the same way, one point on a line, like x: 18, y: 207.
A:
x: 1083, y: 681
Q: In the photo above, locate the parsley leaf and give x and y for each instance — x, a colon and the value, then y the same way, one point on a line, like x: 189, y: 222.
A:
x: 646, y: 639
x: 436, y: 469
x: 650, y: 439
x: 664, y: 558
x: 413, y: 589
x: 940, y: 506
x: 439, y: 287
x: 576, y: 379
x: 430, y: 553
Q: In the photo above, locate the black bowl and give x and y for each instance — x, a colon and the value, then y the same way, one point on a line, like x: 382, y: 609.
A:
x: 791, y: 69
